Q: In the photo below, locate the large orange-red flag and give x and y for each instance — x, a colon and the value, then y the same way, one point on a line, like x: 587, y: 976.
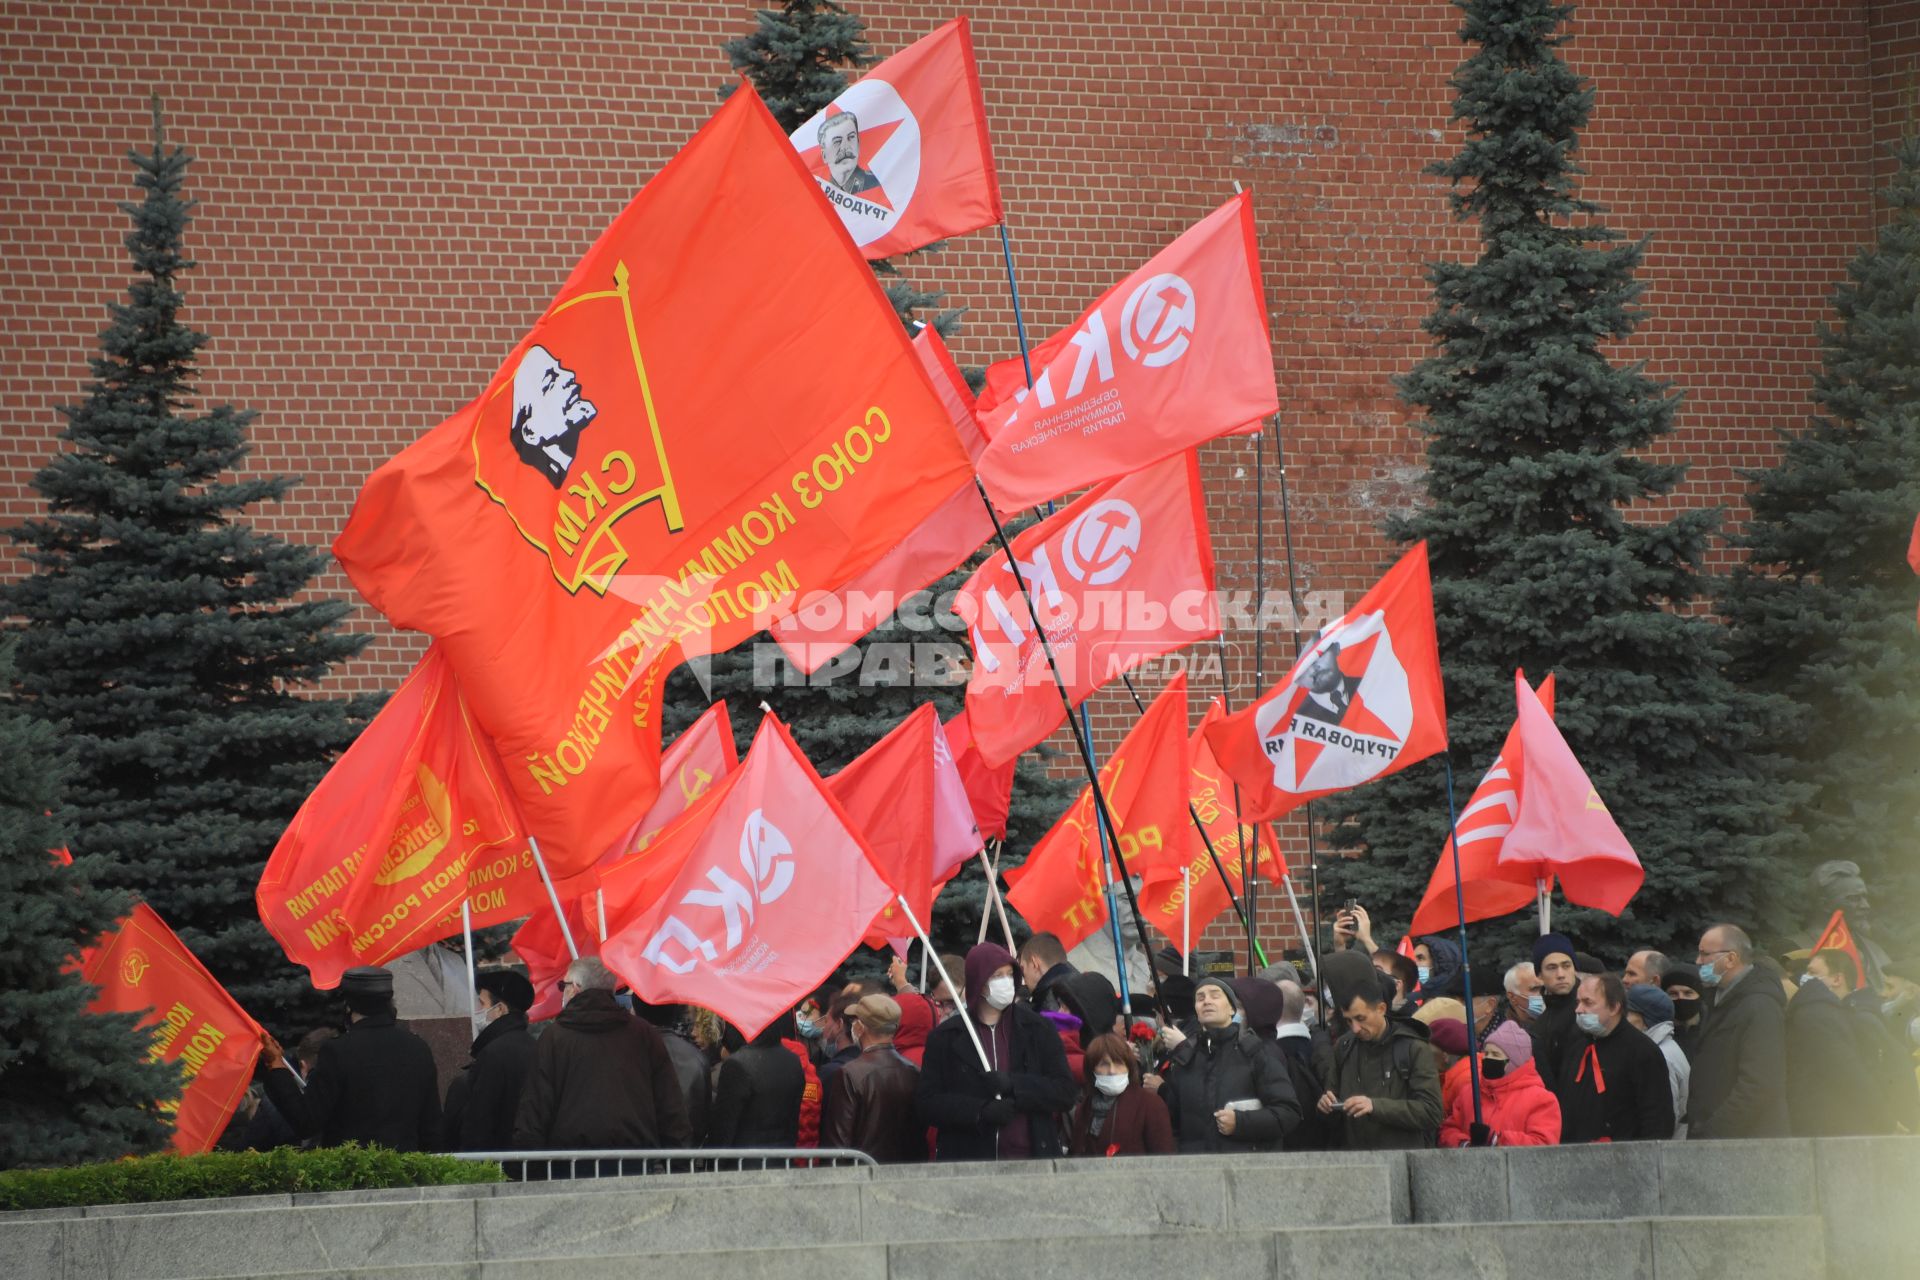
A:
x: 1839, y: 934
x: 1123, y: 575
x: 761, y: 889
x: 142, y: 967
x: 411, y: 820
x: 718, y: 414
x: 1483, y: 823
x: 1364, y: 700
x: 1211, y: 795
x: 1173, y: 356
x: 903, y: 152
x: 1059, y: 887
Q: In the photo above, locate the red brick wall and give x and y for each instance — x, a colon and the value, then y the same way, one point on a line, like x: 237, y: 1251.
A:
x: 391, y: 192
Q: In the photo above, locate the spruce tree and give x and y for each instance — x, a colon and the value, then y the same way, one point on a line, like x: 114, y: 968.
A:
x: 797, y: 58
x: 1823, y: 611
x: 163, y: 632
x: 75, y: 1086
x: 1535, y: 452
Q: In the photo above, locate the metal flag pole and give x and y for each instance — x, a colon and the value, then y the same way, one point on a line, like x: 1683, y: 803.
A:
x: 466, y: 932
x: 540, y: 864
x: 1249, y: 887
x: 1466, y: 961
x: 1293, y: 600
x: 994, y: 904
x: 600, y: 910
x: 1186, y: 921
x: 966, y: 1015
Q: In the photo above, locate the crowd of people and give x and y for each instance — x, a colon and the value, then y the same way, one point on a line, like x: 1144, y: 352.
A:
x: 1023, y: 1057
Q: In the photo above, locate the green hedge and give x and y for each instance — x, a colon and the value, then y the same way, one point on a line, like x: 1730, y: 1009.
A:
x: 146, y: 1179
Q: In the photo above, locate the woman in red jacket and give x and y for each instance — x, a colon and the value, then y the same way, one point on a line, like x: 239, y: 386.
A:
x: 1115, y: 1115
x: 1514, y: 1103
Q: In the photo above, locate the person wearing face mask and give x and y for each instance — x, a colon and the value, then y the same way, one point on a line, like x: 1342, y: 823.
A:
x: 1553, y: 1027
x: 1740, y: 1069
x: 1437, y: 969
x: 1010, y: 1107
x: 1115, y: 1115
x: 1516, y: 1107
x: 1525, y: 1000
x: 482, y: 1099
x: 1225, y: 1088
x: 1613, y: 1085
x: 1682, y: 984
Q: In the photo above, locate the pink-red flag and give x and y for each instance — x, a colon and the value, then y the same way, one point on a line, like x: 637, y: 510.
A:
x: 698, y: 758
x: 1123, y: 575
x: 1563, y: 827
x: 902, y: 154
x: 765, y: 886
x: 1171, y: 357
x: 1482, y: 824
x: 989, y: 788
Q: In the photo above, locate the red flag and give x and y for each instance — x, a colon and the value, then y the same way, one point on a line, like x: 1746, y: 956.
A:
x: 989, y: 788
x: 1173, y: 356
x: 657, y: 463
x: 1122, y: 575
x: 420, y: 788
x: 1210, y: 792
x: 1059, y: 887
x: 142, y: 967
x: 903, y: 153
x: 1562, y: 826
x: 543, y: 949
x: 888, y: 793
x: 1839, y: 934
x: 1483, y: 826
x: 827, y: 622
x: 1365, y: 700
x: 697, y: 759
x: 1913, y: 552
x: 771, y: 885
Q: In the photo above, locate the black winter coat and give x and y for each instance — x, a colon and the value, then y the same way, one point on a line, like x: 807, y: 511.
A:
x: 375, y: 1085
x: 484, y: 1098
x: 1208, y: 1070
x: 1615, y: 1089
x: 1552, y: 1032
x: 601, y: 1080
x: 1739, y: 1087
x: 756, y: 1098
x: 1316, y: 1132
x: 1831, y: 1091
x: 954, y: 1091
x: 690, y: 1066
x: 1888, y: 1061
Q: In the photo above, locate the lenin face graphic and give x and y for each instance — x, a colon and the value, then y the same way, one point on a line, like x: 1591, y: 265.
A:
x: 1329, y: 690
x: 840, y: 153
x: 548, y: 414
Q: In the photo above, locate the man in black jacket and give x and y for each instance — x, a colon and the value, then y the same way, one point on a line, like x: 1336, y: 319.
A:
x: 484, y: 1097
x: 1830, y: 1085
x: 1044, y: 967
x: 1010, y: 1108
x: 1553, y: 1030
x: 689, y: 1064
x: 1888, y: 1063
x: 1739, y: 1087
x: 375, y: 1085
x: 1225, y: 1088
x: 1613, y: 1083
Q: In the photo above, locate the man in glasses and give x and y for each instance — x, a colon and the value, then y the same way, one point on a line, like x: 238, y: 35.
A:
x: 1739, y: 1086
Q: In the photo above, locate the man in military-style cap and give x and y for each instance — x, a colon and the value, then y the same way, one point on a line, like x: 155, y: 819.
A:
x: 375, y: 1085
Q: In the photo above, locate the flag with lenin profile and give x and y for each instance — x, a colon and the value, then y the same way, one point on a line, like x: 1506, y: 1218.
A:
x: 902, y: 154
x: 1364, y: 700
x: 718, y: 414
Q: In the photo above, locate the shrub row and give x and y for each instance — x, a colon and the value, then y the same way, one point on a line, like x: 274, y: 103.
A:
x: 146, y: 1179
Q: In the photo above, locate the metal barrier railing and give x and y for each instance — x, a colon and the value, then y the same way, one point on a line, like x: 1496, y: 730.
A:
x: 555, y: 1166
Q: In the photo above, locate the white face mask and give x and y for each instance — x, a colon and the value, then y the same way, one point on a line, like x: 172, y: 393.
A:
x: 1000, y: 992
x: 482, y: 1018
x: 1112, y: 1086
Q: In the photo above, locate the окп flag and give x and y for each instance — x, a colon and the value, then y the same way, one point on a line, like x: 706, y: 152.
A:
x: 1211, y: 794
x: 1173, y: 356
x: 1488, y: 889
x: 1839, y: 934
x: 143, y: 967
x: 1365, y: 700
x: 1060, y: 886
x: 827, y: 623
x: 1562, y: 826
x: 903, y: 153
x: 1123, y: 575
x: 764, y: 886
x: 717, y: 415
x: 410, y: 820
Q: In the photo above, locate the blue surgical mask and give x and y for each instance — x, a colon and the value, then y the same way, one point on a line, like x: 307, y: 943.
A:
x: 1589, y: 1023
x: 1239, y: 1019
x: 808, y: 1028
x: 624, y: 999
x: 1709, y: 976
x: 1424, y: 972
x: 1536, y: 1005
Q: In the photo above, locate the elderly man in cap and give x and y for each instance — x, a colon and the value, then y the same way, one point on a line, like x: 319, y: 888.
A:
x: 1553, y: 1029
x: 375, y: 1085
x: 1651, y: 1010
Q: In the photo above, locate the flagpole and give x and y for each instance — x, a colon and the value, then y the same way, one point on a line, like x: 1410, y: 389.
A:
x: 1193, y: 814
x: 1086, y: 755
x: 466, y: 932
x: 1083, y: 729
x: 1186, y: 921
x: 1248, y: 885
x: 540, y: 864
x: 1293, y: 599
x: 966, y: 1014
x: 1019, y: 317
x: 1466, y: 961
x: 600, y: 909
x: 994, y: 903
